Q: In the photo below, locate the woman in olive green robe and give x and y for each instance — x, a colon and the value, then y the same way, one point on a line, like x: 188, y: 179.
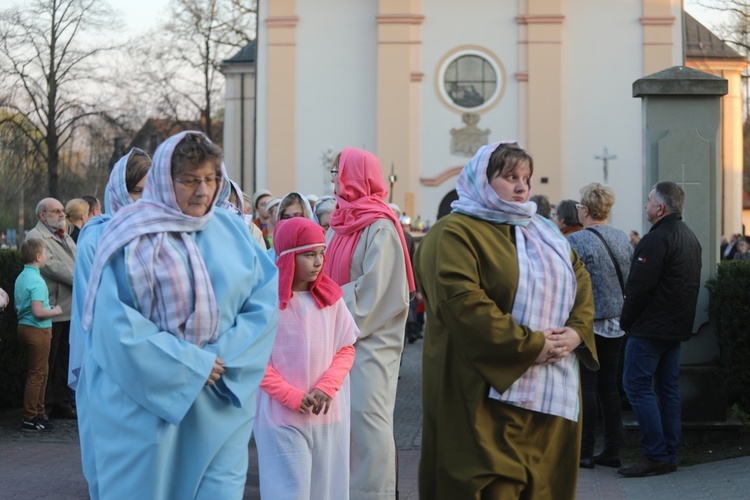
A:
x: 509, y: 316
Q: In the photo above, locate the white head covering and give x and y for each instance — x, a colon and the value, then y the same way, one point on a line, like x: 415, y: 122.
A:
x: 306, y: 206
x: 116, y: 194
x: 477, y: 199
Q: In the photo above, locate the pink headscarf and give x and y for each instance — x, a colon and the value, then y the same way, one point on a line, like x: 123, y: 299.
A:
x: 298, y: 235
x: 360, y: 203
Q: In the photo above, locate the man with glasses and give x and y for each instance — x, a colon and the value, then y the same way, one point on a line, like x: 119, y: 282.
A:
x: 58, y: 274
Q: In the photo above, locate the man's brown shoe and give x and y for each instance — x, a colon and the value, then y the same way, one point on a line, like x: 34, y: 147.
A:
x: 646, y: 467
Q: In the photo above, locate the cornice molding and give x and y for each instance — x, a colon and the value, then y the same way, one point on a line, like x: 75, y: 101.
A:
x: 540, y: 19
x: 282, y: 21
x: 658, y: 21
x: 399, y: 19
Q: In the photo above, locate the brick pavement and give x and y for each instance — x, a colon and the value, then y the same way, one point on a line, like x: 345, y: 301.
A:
x: 47, y: 466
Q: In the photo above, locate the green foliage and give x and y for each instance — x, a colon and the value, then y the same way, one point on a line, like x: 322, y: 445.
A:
x: 729, y: 309
x: 12, y: 352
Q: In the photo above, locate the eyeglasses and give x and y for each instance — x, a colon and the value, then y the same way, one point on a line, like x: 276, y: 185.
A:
x: 334, y: 172
x: 578, y: 205
x: 56, y: 211
x: 194, y: 182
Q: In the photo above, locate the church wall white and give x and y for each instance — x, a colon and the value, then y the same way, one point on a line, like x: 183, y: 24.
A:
x: 336, y: 85
x: 602, y: 61
x: 603, y: 56
x: 448, y: 25
x: 261, y: 101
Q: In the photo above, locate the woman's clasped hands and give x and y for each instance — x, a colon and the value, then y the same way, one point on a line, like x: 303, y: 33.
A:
x: 216, y: 372
x: 558, y: 344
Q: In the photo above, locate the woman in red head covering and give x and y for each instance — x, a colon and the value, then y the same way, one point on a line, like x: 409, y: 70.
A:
x: 369, y: 260
x: 302, y: 426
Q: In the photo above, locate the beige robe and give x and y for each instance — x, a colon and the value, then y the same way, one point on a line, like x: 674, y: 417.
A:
x: 378, y: 298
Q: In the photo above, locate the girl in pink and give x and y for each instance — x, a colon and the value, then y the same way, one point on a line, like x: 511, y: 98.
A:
x: 302, y: 425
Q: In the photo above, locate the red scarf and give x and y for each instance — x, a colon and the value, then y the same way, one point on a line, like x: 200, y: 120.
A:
x: 298, y: 235
x: 362, y: 192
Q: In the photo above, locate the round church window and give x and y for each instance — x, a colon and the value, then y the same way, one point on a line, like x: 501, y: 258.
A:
x: 470, y: 80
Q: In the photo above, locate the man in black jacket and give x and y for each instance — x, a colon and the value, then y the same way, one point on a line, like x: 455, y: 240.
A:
x: 660, y: 299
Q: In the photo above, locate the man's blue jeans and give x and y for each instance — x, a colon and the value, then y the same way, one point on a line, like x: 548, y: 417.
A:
x: 650, y: 378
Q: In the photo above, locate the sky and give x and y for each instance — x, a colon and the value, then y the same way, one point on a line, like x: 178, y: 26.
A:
x: 140, y: 15
x: 708, y: 17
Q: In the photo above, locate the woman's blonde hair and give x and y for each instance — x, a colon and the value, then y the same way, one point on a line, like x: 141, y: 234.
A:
x: 598, y: 198
x: 75, y: 210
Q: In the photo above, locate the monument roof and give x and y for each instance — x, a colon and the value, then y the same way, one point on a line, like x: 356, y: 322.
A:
x: 680, y: 80
x: 701, y: 43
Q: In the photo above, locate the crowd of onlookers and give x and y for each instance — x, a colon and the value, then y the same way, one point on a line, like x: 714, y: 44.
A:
x: 186, y: 314
x: 735, y: 248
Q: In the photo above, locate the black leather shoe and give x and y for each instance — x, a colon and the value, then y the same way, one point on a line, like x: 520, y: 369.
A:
x: 646, y: 467
x: 607, y: 460
x: 586, y: 463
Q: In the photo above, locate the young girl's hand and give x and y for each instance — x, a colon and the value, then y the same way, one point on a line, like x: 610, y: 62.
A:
x: 322, y: 401
x: 308, y: 403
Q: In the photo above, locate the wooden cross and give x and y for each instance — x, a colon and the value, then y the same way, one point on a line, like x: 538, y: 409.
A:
x: 605, y: 157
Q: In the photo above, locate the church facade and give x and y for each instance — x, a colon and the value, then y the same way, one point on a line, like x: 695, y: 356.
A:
x: 424, y: 83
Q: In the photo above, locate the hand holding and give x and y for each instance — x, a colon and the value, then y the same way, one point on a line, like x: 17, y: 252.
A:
x: 308, y: 402
x: 322, y: 401
x: 564, y: 340
x: 548, y: 354
x: 57, y: 310
x: 216, y: 371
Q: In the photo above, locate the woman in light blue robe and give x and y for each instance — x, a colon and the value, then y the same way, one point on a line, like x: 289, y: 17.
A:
x: 125, y: 186
x: 163, y: 422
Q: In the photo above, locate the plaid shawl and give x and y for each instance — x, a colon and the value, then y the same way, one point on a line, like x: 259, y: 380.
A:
x: 224, y: 202
x: 168, y: 276
x: 546, y: 288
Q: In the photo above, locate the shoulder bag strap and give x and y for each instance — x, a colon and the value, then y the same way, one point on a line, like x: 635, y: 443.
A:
x: 611, y: 256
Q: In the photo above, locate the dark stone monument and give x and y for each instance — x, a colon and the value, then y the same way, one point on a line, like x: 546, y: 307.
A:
x: 681, y: 143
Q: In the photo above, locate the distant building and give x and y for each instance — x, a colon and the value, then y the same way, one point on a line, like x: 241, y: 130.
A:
x: 239, y: 116
x: 424, y: 84
x: 157, y: 130
x: 707, y: 52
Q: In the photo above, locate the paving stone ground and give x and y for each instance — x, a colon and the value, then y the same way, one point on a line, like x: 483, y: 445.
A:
x: 48, y: 466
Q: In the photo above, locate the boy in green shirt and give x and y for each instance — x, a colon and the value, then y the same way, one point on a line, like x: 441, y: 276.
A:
x: 35, y: 331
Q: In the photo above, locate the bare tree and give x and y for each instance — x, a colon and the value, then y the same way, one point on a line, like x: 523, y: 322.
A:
x: 180, y: 60
x: 734, y: 29
x: 47, y: 59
